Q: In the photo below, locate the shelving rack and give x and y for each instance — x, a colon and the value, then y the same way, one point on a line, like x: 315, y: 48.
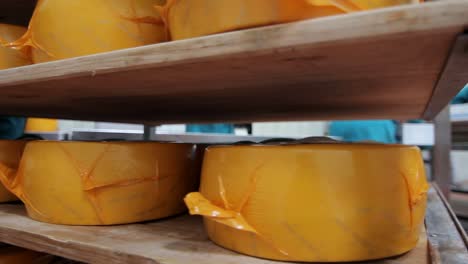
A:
x: 401, y: 63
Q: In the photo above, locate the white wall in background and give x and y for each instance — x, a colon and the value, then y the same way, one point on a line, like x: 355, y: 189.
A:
x: 459, y: 112
x: 459, y: 166
x: 290, y: 129
x: 72, y: 125
x: 118, y: 126
x: 421, y: 134
x: 170, y: 129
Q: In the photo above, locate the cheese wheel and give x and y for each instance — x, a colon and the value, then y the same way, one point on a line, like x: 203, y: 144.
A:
x: 193, y: 18
x: 64, y: 29
x: 41, y: 125
x: 313, y: 202
x: 10, y: 155
x: 10, y: 57
x: 103, y: 183
x: 357, y: 5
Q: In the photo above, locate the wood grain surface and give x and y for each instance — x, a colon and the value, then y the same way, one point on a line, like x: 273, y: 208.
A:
x: 378, y: 64
x: 170, y: 241
x: 446, y: 239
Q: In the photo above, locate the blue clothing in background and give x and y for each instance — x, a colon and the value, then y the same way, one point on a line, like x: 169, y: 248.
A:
x: 462, y: 96
x: 211, y: 128
x: 12, y: 127
x: 383, y: 131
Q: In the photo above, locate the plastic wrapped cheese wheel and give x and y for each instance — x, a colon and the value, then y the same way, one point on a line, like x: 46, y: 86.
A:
x: 103, y: 183
x: 64, y: 29
x: 358, y: 5
x: 313, y: 202
x: 10, y: 155
x: 193, y: 18
x: 41, y: 125
x: 10, y: 57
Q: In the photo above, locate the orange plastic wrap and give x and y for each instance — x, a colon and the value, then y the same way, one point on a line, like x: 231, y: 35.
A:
x: 10, y: 155
x: 64, y: 29
x: 313, y: 202
x: 103, y: 183
x: 193, y: 18
x: 10, y: 57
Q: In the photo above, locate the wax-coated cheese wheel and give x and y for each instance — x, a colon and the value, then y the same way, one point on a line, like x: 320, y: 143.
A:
x: 64, y: 29
x: 102, y: 183
x: 192, y: 18
x: 41, y: 125
x: 360, y: 5
x: 10, y: 57
x: 315, y: 202
x: 10, y: 155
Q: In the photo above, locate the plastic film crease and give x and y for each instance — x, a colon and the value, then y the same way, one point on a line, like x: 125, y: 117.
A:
x: 164, y: 15
x: 11, y: 179
x: 226, y: 215
x: 92, y: 189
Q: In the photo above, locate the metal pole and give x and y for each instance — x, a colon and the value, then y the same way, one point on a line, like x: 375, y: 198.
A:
x: 148, y: 132
x: 441, y: 162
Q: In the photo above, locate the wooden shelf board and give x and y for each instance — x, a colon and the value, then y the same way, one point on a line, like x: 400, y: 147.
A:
x: 378, y: 64
x: 175, y: 240
x: 182, y: 240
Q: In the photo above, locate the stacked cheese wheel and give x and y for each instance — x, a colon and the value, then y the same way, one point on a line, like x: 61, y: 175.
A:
x: 64, y: 29
x: 193, y: 18
x: 102, y: 183
x: 313, y: 202
x: 10, y: 151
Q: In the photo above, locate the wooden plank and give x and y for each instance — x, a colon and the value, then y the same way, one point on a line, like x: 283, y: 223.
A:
x: 377, y: 64
x: 174, y: 240
x: 444, y: 234
x: 16, y: 12
x: 452, y: 79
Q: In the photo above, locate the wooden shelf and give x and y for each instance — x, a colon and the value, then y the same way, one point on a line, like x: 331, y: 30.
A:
x: 183, y: 240
x: 379, y: 64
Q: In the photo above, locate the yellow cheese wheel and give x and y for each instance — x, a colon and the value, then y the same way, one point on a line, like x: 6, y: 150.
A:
x: 17, y: 255
x: 64, y: 29
x: 192, y: 18
x: 356, y: 5
x: 41, y: 125
x: 316, y: 202
x: 102, y: 183
x: 10, y: 57
x: 360, y: 5
x: 10, y: 155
